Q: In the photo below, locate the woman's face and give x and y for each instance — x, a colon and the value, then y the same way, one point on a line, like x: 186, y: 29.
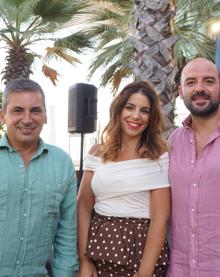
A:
x: 135, y: 115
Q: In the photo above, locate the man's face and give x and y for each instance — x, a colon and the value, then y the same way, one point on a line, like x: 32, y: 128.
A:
x: 24, y: 117
x: 200, y: 88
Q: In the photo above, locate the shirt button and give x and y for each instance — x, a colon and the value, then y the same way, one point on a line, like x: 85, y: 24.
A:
x: 191, y: 140
x: 17, y: 262
x: 26, y: 190
x: 21, y: 165
x: 194, y: 185
x: 193, y: 235
x: 21, y: 238
x: 193, y: 210
x: 194, y: 261
x: 192, y: 161
x: 24, y: 214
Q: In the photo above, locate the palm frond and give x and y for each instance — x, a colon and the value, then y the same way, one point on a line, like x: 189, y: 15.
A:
x: 114, y: 76
x: 51, y: 73
x: 120, y: 50
x: 25, y: 22
x: 114, y: 62
x: 110, y: 21
x: 60, y: 53
x: 191, y: 23
x: 76, y: 42
x: 16, y: 2
x: 58, y: 10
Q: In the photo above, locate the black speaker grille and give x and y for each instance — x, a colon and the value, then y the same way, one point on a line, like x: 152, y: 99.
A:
x: 82, y: 108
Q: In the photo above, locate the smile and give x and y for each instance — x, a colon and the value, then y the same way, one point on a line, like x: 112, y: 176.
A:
x: 199, y: 96
x: 26, y: 130
x: 132, y: 124
x: 200, y: 100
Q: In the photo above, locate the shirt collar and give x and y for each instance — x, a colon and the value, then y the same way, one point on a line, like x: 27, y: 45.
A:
x: 187, y: 122
x: 4, y: 142
x: 42, y: 147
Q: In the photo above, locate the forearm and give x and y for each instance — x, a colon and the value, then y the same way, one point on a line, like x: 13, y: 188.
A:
x: 85, y: 205
x: 84, y: 219
x: 86, y: 266
x: 153, y: 246
x: 65, y: 258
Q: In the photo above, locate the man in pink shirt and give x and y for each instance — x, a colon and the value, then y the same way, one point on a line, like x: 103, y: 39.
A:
x: 195, y: 175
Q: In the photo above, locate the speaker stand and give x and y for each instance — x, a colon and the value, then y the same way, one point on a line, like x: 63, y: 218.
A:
x: 81, y: 158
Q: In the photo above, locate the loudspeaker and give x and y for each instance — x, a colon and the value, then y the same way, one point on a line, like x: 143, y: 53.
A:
x: 82, y: 108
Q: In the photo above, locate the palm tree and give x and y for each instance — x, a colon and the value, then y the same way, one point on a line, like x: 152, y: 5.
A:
x: 163, y: 36
x: 167, y: 34
x: 153, y: 42
x: 23, y: 23
x: 110, y: 23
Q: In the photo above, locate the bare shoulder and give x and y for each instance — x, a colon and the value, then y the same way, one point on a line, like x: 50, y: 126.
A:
x: 95, y: 150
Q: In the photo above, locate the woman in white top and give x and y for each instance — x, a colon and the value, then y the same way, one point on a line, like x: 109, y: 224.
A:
x: 124, y: 195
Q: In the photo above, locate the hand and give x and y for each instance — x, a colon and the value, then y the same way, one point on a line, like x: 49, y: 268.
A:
x: 87, y: 269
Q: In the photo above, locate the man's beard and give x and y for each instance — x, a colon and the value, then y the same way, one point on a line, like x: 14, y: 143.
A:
x: 211, y: 108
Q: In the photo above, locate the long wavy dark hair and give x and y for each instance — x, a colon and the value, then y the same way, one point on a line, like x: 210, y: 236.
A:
x: 151, y: 144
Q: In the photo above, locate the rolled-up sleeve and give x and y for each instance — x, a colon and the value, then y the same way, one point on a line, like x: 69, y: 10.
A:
x: 65, y: 260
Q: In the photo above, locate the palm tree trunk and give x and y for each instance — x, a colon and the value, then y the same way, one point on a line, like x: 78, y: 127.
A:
x: 18, y: 64
x: 153, y: 43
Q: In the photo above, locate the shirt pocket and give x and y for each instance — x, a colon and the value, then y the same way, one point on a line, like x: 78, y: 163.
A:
x: 52, y: 201
x: 3, y: 201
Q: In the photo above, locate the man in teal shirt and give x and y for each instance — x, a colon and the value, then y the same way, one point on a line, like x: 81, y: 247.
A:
x: 37, y: 190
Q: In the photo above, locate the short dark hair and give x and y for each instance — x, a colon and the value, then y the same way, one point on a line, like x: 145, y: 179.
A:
x: 21, y: 85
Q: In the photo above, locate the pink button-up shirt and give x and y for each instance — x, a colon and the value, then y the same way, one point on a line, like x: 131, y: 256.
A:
x: 195, y: 186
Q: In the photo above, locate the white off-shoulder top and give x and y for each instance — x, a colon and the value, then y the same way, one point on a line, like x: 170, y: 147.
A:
x: 123, y: 188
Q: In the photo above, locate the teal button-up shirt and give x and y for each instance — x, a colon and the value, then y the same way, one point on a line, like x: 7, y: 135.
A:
x: 37, y: 212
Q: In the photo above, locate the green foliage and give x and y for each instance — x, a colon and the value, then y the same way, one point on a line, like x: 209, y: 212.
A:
x: 190, y: 24
x: 57, y: 10
x: 76, y: 42
x: 115, y: 59
x: 111, y: 25
x: 25, y: 22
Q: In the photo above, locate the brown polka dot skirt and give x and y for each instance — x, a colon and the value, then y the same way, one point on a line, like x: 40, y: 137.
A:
x: 116, y: 245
